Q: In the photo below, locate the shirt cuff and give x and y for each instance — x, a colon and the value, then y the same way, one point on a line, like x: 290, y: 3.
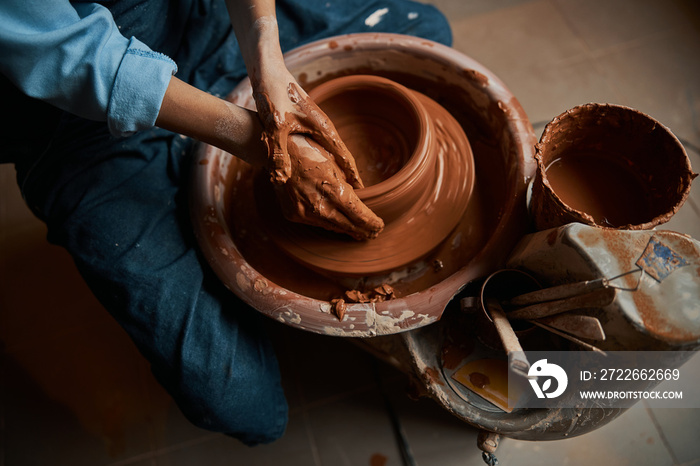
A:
x: 139, y: 87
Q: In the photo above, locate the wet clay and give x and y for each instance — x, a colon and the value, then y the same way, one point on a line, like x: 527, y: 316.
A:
x: 312, y: 170
x: 380, y: 126
x: 379, y: 294
x: 317, y: 194
x: 598, y: 184
x: 479, y: 380
x: 417, y: 167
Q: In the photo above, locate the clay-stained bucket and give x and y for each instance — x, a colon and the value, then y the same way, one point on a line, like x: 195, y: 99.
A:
x: 608, y: 166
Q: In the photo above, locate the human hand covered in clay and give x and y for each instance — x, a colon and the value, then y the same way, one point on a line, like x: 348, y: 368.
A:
x: 296, y: 131
x: 317, y: 193
x: 285, y: 110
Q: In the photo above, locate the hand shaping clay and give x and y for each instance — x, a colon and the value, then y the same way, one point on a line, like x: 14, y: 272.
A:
x: 418, y: 171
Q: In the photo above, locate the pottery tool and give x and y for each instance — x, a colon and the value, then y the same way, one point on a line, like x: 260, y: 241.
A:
x: 569, y: 337
x: 578, y: 325
x: 552, y: 293
x: 595, y: 299
x: 570, y: 290
x: 550, y: 309
x: 517, y: 361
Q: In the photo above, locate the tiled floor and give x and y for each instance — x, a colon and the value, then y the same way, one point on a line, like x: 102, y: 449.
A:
x: 74, y: 391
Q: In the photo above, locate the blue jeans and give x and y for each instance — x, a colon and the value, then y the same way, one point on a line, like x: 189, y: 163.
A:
x: 119, y: 206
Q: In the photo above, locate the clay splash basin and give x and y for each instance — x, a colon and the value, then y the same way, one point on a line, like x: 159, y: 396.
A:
x: 251, y: 263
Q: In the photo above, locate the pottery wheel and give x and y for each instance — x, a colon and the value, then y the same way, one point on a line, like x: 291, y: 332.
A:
x: 411, y: 232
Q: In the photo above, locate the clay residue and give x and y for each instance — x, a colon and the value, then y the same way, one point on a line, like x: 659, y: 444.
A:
x: 379, y: 294
x: 602, y: 186
x: 339, y: 308
x: 476, y: 77
x: 374, y: 19
x: 433, y: 376
x: 657, y: 323
x: 378, y: 460
x: 479, y: 380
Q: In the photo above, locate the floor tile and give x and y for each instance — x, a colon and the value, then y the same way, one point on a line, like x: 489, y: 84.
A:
x: 322, y: 367
x: 680, y: 427
x: 535, y: 52
x: 38, y: 430
x: 436, y: 437
x: 293, y: 448
x: 604, y: 23
x: 524, y: 36
x: 14, y: 214
x: 41, y: 291
x: 631, y: 439
x: 456, y: 9
x: 355, y: 430
x: 660, y: 77
x: 546, y: 92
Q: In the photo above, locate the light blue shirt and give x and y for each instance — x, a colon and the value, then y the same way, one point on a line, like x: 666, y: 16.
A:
x: 74, y: 57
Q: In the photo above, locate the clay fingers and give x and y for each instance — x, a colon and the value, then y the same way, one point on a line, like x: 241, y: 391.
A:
x: 325, y: 133
x: 345, y: 161
x: 347, y: 208
x: 279, y: 162
x: 360, y: 229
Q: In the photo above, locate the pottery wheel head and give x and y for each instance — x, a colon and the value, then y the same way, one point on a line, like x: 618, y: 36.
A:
x: 417, y: 166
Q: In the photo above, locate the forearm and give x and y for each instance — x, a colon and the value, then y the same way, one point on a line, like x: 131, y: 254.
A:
x: 189, y: 111
x: 255, y: 25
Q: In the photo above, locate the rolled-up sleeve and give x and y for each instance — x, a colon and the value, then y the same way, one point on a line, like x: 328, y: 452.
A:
x: 74, y: 57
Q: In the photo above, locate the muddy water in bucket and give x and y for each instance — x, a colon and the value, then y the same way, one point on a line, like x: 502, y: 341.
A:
x: 608, y: 166
x: 587, y: 181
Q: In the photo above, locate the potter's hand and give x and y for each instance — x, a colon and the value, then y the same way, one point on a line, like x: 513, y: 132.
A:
x: 285, y: 109
x: 283, y: 106
x: 316, y: 193
x: 288, y: 114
